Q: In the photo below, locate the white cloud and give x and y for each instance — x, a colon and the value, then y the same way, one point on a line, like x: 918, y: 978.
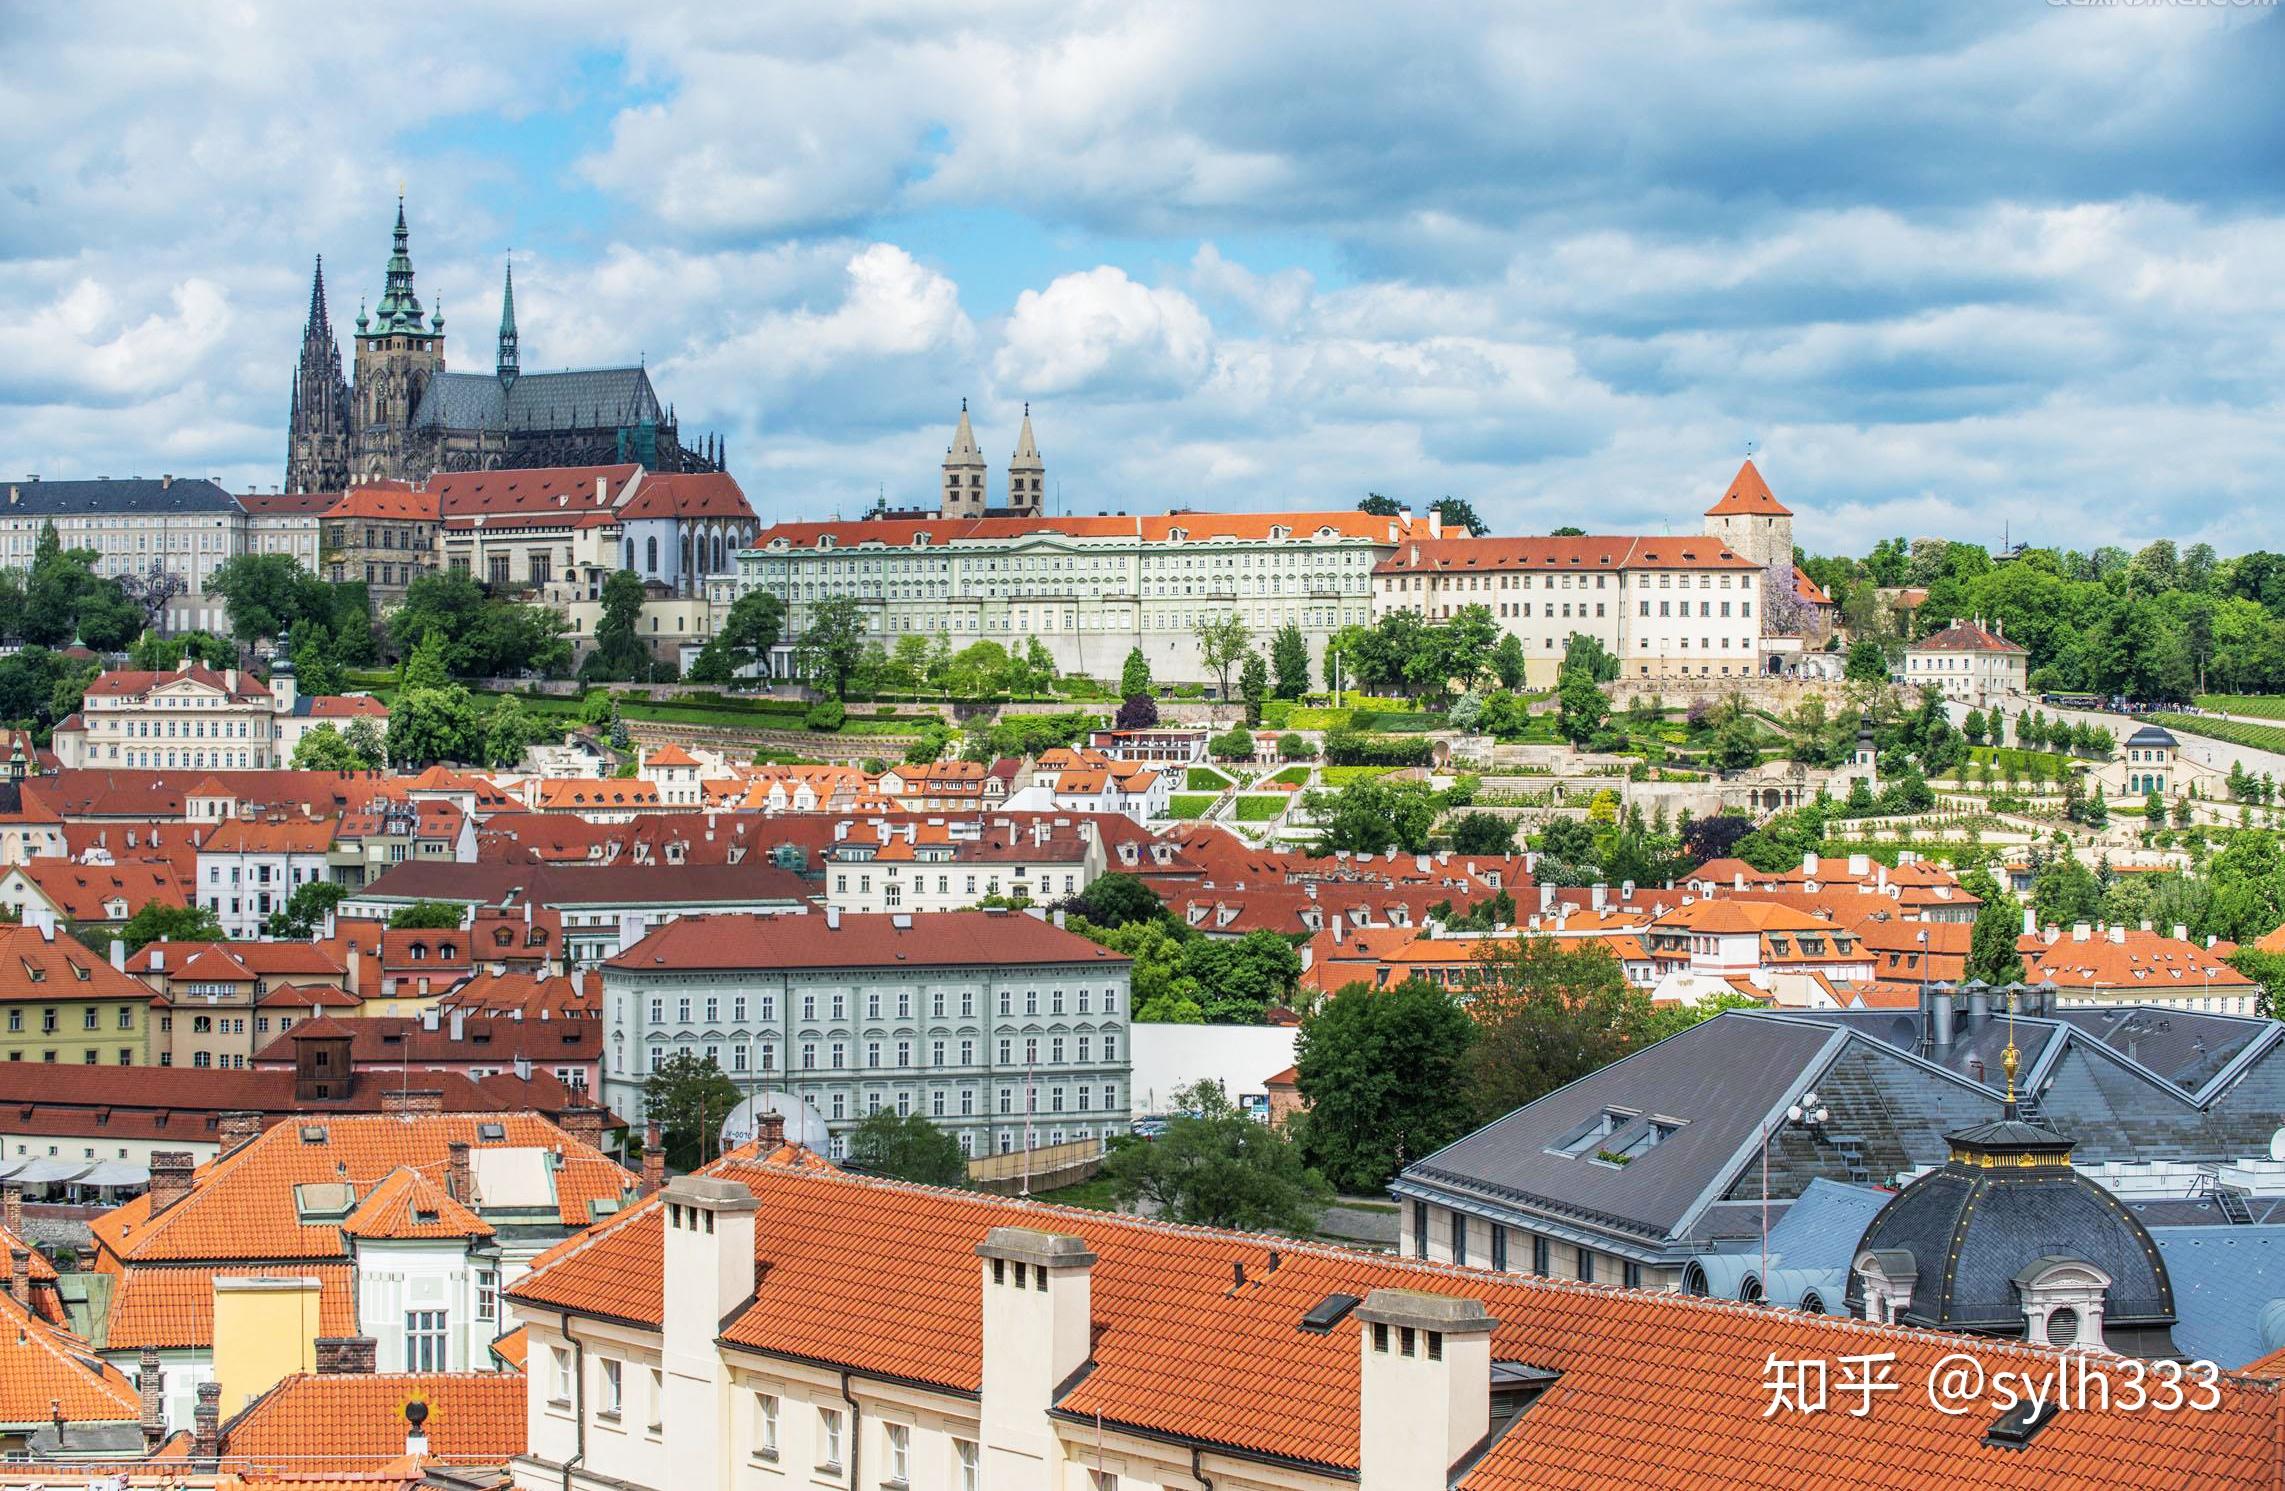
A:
x: 1100, y: 331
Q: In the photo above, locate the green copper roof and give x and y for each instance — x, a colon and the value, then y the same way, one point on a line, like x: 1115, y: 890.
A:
x: 400, y: 308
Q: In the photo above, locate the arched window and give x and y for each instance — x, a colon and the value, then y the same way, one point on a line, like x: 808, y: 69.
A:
x: 651, y: 554
x: 630, y: 564
x: 2063, y: 1327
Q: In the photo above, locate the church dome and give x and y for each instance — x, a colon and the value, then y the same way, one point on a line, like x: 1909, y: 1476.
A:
x: 2007, y: 1239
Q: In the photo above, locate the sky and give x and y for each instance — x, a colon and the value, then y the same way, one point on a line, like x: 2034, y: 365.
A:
x: 1946, y: 268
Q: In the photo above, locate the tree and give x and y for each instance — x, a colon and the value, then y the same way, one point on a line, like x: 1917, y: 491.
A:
x: 1508, y: 662
x: 1483, y: 833
x: 1973, y: 727
x: 688, y: 1097
x: 1581, y: 707
x: 508, y: 729
x: 1134, y: 674
x: 428, y: 916
x: 157, y: 920
x: 1289, y: 660
x: 426, y: 668
x: 1867, y: 662
x: 755, y: 622
x: 1215, y: 1167
x: 326, y: 748
x: 832, y: 643
x: 1460, y: 514
x: 1589, y: 655
x: 1113, y: 900
x: 906, y: 1147
x: 1735, y: 748
x: 1381, y: 507
x: 1369, y: 815
x: 1138, y: 712
x: 316, y: 674
x: 619, y: 650
x: 1383, y: 1072
x: 303, y: 916
x: 1548, y: 1014
x: 1991, y: 947
x: 1222, y: 641
x: 1232, y: 745
x: 266, y: 595
x: 1253, y: 685
x: 431, y: 725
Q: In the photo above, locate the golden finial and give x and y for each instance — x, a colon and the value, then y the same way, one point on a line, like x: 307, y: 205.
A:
x: 2011, y: 1058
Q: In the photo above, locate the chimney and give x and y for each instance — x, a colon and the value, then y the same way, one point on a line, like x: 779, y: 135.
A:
x: 1599, y: 894
x: 654, y: 1159
x: 237, y: 1128
x: 1546, y: 899
x: 2181, y: 932
x: 707, y: 1259
x: 20, y: 1275
x: 2050, y: 933
x: 769, y: 1130
x: 1860, y: 865
x: 206, y: 1431
x: 344, y: 1356
x: 2081, y: 931
x: 1939, y: 1011
x: 1809, y: 865
x: 158, y: 960
x: 12, y: 1210
x: 1038, y: 1309
x: 2030, y: 921
x: 584, y: 1124
x: 1979, y: 1006
x: 2118, y: 934
x: 1425, y: 1388
x: 832, y: 918
x: 170, y: 1177
x: 119, y: 955
x: 456, y: 1181
x: 412, y: 1100
x: 1435, y: 524
x: 151, y: 1387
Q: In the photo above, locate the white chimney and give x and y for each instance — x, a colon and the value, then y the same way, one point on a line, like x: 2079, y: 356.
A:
x: 1424, y: 1387
x: 1038, y: 1310
x: 2181, y: 932
x: 2081, y: 931
x: 833, y: 918
x: 2118, y: 933
x: 2030, y: 921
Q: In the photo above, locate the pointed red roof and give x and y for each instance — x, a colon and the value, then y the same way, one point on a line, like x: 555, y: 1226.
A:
x: 1748, y: 493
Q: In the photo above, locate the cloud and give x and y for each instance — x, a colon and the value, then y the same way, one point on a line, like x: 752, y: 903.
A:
x: 1099, y: 331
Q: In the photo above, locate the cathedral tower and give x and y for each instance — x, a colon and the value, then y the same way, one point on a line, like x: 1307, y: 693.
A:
x: 964, y: 472
x: 317, y: 434
x: 1027, y: 474
x: 397, y: 354
x: 504, y: 365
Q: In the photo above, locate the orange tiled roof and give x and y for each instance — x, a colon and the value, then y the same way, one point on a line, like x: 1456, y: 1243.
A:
x: 408, y: 1206
x: 44, y: 1368
x: 314, y: 1422
x: 83, y: 891
x: 1550, y: 555
x: 37, y: 966
x: 1963, y: 636
x: 1657, y: 1389
x: 1750, y: 495
x: 514, y: 1349
x: 173, y: 1305
x: 392, y: 501
x: 2144, y: 962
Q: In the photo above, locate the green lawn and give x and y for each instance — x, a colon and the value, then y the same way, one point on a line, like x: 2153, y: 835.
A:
x: 1189, y: 804
x: 2261, y: 706
x: 1206, y: 779
x: 1093, y: 1194
x: 1260, y: 809
x: 1297, y: 775
x: 1342, y: 776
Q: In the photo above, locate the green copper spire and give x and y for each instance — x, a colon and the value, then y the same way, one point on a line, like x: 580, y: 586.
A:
x: 506, y: 366
x: 400, y: 308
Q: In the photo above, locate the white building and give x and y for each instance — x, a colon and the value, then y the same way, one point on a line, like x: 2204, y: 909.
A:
x: 881, y: 866
x: 249, y: 869
x: 1006, y: 1031
x: 1979, y: 668
x: 186, y: 527
x: 1089, y: 589
x: 286, y: 523
x: 193, y: 717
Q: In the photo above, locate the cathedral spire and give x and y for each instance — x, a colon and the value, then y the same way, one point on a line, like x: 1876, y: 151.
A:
x: 1027, y: 473
x: 317, y: 438
x: 400, y: 307
x: 506, y: 363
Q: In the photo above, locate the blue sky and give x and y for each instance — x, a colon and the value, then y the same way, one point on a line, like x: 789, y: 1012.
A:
x: 1953, y: 267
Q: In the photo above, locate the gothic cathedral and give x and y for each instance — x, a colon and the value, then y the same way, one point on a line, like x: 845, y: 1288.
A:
x: 406, y: 416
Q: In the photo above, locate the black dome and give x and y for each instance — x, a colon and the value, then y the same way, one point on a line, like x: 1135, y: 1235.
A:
x: 2008, y: 1200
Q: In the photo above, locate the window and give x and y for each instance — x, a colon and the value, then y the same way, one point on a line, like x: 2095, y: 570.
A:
x: 829, y: 1439
x: 655, y: 1417
x: 424, y: 1341
x: 1499, y: 1247
x: 900, y: 1453
x: 614, y: 1390
x: 766, y: 1425
x: 487, y: 1294
x: 1419, y: 1229
x: 560, y: 1391
x: 965, y: 1451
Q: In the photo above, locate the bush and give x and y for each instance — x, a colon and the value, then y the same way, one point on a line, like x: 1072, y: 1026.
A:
x: 1233, y: 745
x: 1348, y: 748
x: 1295, y: 748
x: 826, y: 715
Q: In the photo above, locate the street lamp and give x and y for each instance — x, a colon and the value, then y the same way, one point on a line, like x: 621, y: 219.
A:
x: 1808, y: 1112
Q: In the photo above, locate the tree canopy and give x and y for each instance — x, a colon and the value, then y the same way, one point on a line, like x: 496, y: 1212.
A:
x: 1384, y: 1074
x: 1216, y: 1167
x: 688, y: 1097
x: 906, y: 1147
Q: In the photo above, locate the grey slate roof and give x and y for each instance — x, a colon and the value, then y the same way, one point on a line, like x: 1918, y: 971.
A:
x: 1811, y: 1247
x: 56, y: 499
x: 2152, y: 735
x: 583, y: 398
x: 1717, y: 1080
x: 2229, y: 1290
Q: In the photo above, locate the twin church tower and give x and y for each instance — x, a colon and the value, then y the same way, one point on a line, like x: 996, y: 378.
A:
x: 964, y: 493
x: 406, y: 417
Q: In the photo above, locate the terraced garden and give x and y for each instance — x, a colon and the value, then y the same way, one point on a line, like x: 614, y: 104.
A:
x: 2236, y: 732
x: 2260, y: 706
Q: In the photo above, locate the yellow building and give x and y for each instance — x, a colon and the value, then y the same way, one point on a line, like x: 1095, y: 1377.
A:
x: 61, y: 1003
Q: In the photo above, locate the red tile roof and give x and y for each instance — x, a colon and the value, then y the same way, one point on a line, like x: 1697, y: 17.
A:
x: 531, y: 489
x: 1149, y: 528
x: 45, y: 1369
x: 135, y: 682
x: 1750, y: 495
x: 949, y: 938
x: 388, y: 501
x: 311, y: 1422
x: 407, y: 1206
x: 1963, y: 636
x: 1656, y: 1390
x: 1550, y: 555
x: 689, y: 494
x: 84, y: 892
x: 172, y: 1305
x: 38, y: 966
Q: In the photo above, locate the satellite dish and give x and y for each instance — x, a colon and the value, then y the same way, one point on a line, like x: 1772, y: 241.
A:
x: 2277, y: 1145
x: 804, y: 1125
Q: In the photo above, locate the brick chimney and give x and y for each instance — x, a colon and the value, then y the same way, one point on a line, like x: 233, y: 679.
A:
x: 12, y: 1210
x: 170, y: 1177
x: 343, y: 1356
x: 20, y: 1275
x: 654, y: 1159
x: 456, y: 1181
x: 206, y: 1422
x: 151, y: 1386
x: 412, y: 1100
x: 769, y: 1130
x: 584, y: 1124
x: 239, y: 1128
